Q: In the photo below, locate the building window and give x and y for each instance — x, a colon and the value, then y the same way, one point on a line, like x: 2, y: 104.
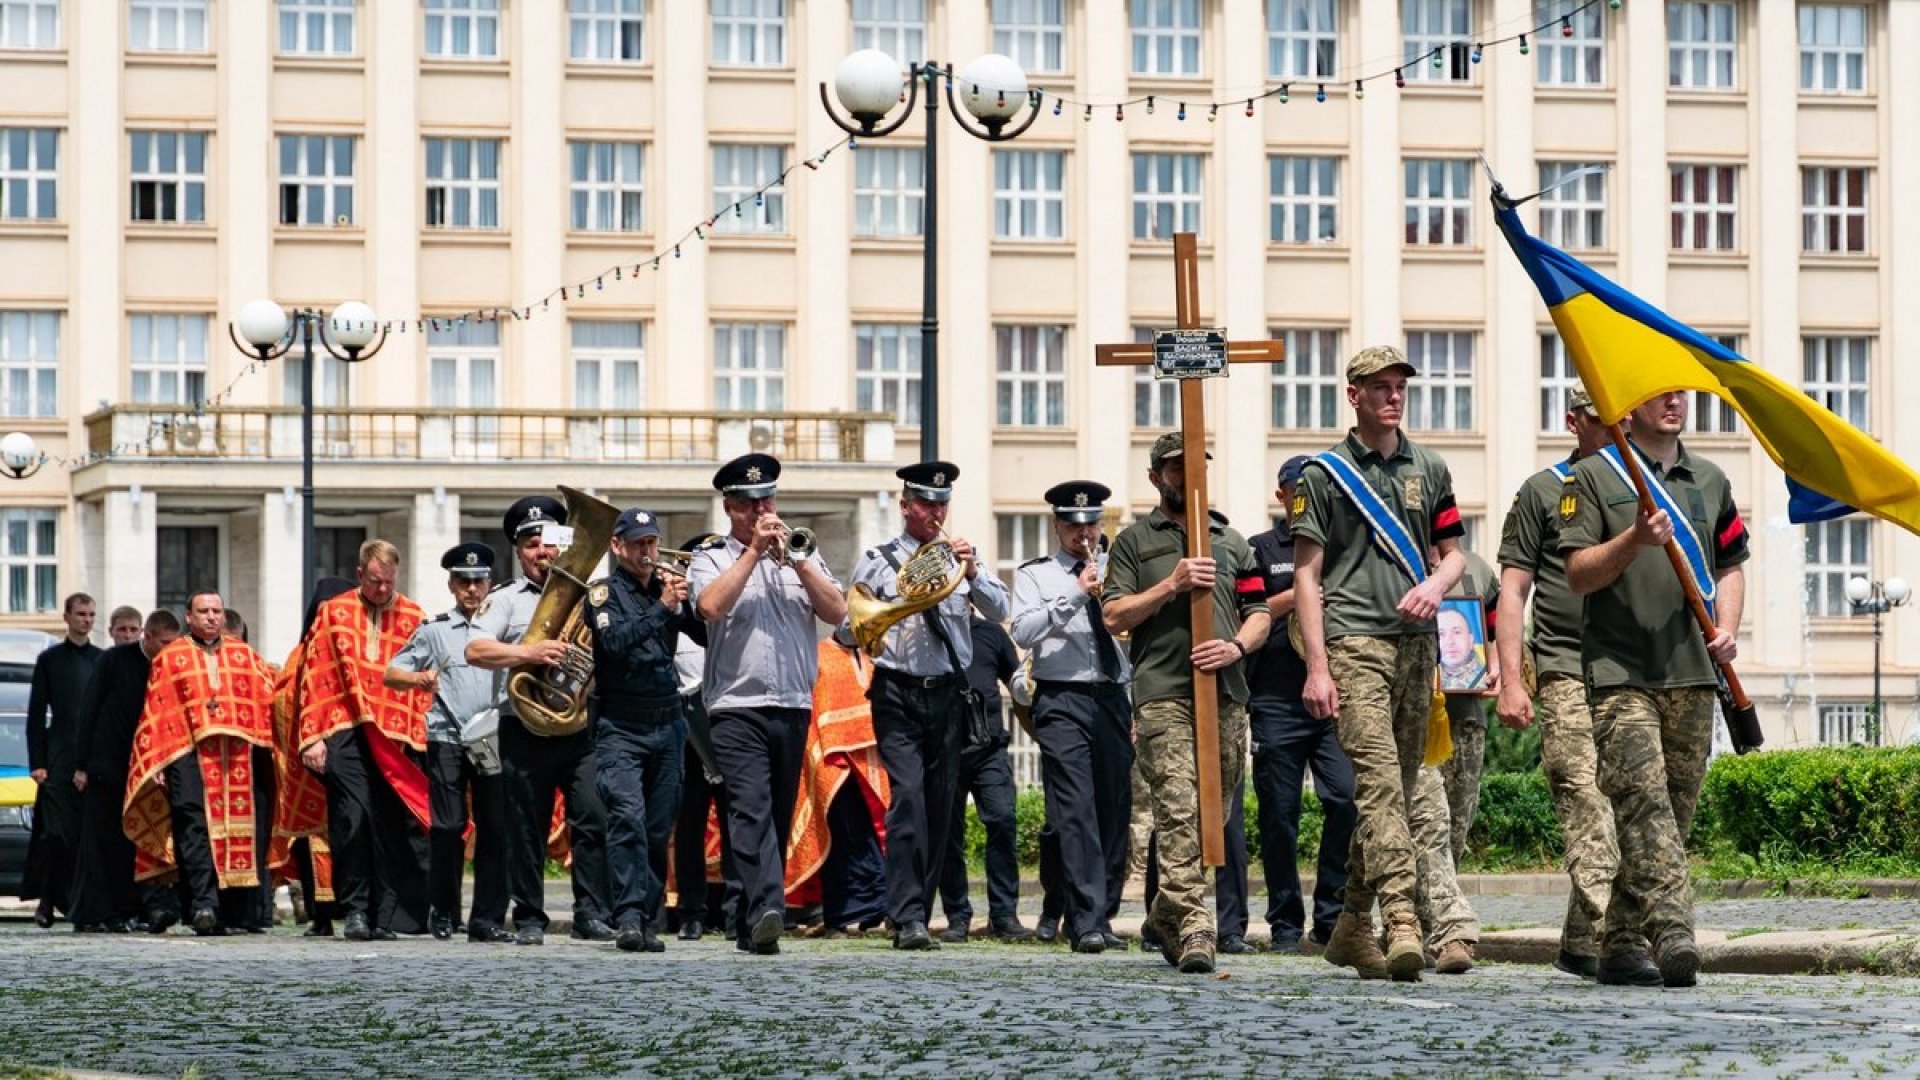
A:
x: 29, y: 174
x: 895, y: 27
x: 1706, y: 207
x: 316, y: 180
x: 167, y: 25
x: 610, y: 30
x: 169, y: 175
x: 1021, y: 537
x: 749, y: 367
x: 1033, y: 33
x: 1426, y: 25
x: 186, y: 560
x: 1156, y: 401
x: 29, y: 363
x: 332, y: 383
x: 1833, y: 48
x: 1309, y: 388
x: 1833, y: 210
x: 1303, y: 39
x: 1573, y: 216
x: 1441, y: 399
x: 1166, y: 37
x: 29, y: 24
x: 749, y: 33
x: 889, y: 193
x: 463, y: 183
x: 1303, y: 204
x: 1439, y: 202
x: 1167, y: 195
x: 169, y: 358
x: 31, y: 557
x: 1710, y: 415
x: 1029, y: 194
x: 1031, y: 376
x: 1848, y: 724
x: 886, y: 370
x: 316, y: 27
x: 1576, y: 59
x: 1701, y: 45
x: 609, y: 186
x: 463, y: 373
x: 609, y: 364
x: 1836, y: 551
x: 1838, y: 373
x: 1557, y: 379
x: 739, y: 172
x: 463, y: 29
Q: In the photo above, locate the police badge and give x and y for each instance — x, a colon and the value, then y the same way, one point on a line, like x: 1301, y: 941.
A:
x: 597, y: 593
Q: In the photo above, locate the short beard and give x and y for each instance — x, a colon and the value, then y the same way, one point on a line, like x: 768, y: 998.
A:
x: 1172, y: 500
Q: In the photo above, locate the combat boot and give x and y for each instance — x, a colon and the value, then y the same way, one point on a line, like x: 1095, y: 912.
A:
x: 1352, y: 945
x: 1406, y: 959
x: 1679, y: 960
x: 1630, y: 968
x: 1196, y: 953
x: 1456, y: 958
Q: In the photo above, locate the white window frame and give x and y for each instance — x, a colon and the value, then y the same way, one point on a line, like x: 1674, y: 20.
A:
x: 597, y: 367
x: 467, y: 30
x: 29, y: 364
x: 1834, y: 200
x: 739, y: 172
x: 1573, y: 216
x: 1025, y: 205
x: 29, y: 25
x: 1439, y: 202
x: 1703, y: 45
x: 1156, y: 401
x: 469, y: 200
x: 165, y: 367
x: 889, y: 192
x: 1558, y: 378
x: 470, y: 352
x: 1169, y: 194
x: 167, y: 26
x: 1303, y: 39
x: 1848, y: 723
x: 607, y: 31
x: 1837, y: 372
x: 1033, y: 33
x: 749, y: 366
x: 1021, y: 536
x: 1303, y: 199
x: 316, y: 27
x: 30, y: 556
x: 1829, y: 62
x: 1167, y: 38
x: 332, y: 379
x: 1308, y: 392
x: 327, y: 182
x: 749, y: 33
x: 1426, y: 25
x: 1030, y: 375
x: 1836, y: 551
x: 1705, y: 217
x: 1709, y: 414
x: 886, y: 370
x: 1442, y: 398
x: 1570, y: 60
x: 895, y: 27
x: 607, y: 187
x: 176, y: 176
x: 29, y: 174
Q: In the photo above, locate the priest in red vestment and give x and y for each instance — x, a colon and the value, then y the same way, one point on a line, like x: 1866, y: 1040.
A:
x: 839, y: 827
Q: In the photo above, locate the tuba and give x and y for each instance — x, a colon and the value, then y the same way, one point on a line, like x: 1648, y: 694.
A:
x: 926, y: 579
x: 552, y: 700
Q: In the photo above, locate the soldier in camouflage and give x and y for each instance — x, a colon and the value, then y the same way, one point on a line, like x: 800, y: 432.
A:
x: 1451, y: 926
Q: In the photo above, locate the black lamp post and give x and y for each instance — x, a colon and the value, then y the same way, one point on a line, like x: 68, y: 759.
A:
x: 1876, y: 598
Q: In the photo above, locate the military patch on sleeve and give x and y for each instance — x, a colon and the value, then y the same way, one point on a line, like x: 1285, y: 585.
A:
x: 1413, y: 492
x: 1299, y: 503
x: 601, y: 620
x: 1569, y: 504
x: 597, y: 593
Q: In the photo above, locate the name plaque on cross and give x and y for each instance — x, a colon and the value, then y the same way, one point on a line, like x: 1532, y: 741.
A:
x: 1189, y: 354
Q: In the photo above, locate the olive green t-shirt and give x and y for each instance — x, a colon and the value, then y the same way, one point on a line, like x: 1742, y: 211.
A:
x: 1530, y: 541
x: 1361, y: 585
x: 1161, y: 647
x: 1639, y: 631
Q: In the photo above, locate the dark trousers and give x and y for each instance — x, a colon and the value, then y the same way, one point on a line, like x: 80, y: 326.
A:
x: 1086, y: 761
x: 640, y: 752
x: 380, y: 852
x: 918, y: 724
x: 761, y: 751
x: 532, y: 768
x: 1229, y: 878
x: 1286, y: 743
x: 1053, y: 876
x: 104, y: 889
x: 57, y: 811
x: 451, y: 782
x: 697, y: 797
x: 320, y: 912
x: 193, y: 847
x: 986, y: 774
x: 853, y: 883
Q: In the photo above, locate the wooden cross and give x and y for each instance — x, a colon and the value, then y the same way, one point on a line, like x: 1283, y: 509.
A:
x: 1193, y: 431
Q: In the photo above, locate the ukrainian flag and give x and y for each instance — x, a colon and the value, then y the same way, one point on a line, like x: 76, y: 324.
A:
x: 1628, y: 351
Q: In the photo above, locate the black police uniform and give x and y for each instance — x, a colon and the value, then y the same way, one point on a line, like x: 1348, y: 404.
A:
x: 986, y: 774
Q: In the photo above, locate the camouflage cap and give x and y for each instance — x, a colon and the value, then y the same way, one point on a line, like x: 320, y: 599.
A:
x: 1375, y: 359
x: 1577, y: 399
x: 1169, y: 445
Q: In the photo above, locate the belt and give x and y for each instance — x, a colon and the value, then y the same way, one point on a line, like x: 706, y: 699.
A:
x: 1090, y: 686
x: 924, y: 682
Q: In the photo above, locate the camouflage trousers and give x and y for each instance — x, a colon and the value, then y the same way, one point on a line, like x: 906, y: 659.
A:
x: 1386, y: 693
x: 1467, y: 722
x: 1444, y: 912
x: 1653, y: 748
x: 1140, y: 827
x: 1164, y: 749
x: 1568, y: 757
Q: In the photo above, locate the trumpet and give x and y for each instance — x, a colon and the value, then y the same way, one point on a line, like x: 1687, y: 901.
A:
x: 671, y: 561
x: 796, y: 546
x: 1090, y: 554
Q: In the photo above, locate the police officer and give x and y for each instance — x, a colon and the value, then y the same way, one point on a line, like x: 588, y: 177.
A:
x: 700, y: 790
x: 434, y: 660
x: 917, y: 699
x: 533, y: 766
x: 760, y: 603
x: 1082, y: 717
x: 636, y: 615
x: 986, y: 773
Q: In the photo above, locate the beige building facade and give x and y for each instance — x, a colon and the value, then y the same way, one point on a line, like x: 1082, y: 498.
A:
x: 163, y: 162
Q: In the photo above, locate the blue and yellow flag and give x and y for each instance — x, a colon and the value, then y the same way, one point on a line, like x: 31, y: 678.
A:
x: 1628, y: 351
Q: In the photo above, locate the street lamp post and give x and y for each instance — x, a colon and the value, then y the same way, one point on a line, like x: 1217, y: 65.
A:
x: 1877, y: 598
x: 20, y: 455
x: 269, y: 332
x: 869, y: 84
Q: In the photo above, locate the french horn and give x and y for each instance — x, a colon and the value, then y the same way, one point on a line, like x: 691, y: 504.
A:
x: 922, y: 582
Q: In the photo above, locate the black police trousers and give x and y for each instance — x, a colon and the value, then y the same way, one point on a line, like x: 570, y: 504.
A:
x: 917, y: 721
x: 697, y: 797
x: 985, y: 773
x: 1085, y: 732
x: 380, y: 852
x: 639, y: 749
x: 451, y: 779
x: 534, y: 768
x: 1287, y: 742
x: 761, y: 751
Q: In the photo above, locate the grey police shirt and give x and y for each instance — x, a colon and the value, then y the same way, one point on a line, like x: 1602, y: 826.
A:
x: 440, y: 644
x: 912, y: 648
x: 505, y: 616
x: 1053, y: 620
x: 764, y: 653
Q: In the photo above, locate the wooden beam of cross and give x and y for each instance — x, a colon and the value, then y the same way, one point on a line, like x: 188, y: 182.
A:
x: 1192, y: 357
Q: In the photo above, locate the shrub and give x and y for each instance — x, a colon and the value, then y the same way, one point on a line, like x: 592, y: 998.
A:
x: 1515, y: 827
x: 1848, y: 804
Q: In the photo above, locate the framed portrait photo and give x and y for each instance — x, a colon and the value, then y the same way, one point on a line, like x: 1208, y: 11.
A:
x: 1463, y: 645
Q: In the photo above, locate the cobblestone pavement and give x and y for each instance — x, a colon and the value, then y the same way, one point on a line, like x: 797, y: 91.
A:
x: 1785, y: 913
x: 285, y: 1006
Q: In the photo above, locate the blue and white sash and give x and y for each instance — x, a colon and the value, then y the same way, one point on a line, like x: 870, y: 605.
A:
x: 1683, y: 533
x: 1390, y: 533
x: 1562, y: 470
